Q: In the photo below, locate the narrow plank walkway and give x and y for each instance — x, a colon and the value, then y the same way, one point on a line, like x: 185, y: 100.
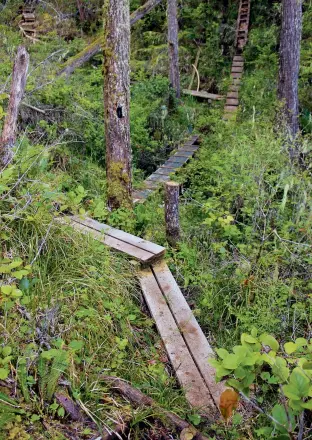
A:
x: 232, y: 97
x: 142, y: 250
x: 163, y: 173
x: 187, y: 347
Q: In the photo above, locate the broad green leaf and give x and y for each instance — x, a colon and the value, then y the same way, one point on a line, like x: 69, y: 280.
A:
x: 222, y: 353
x: 291, y: 392
x: 301, y: 342
x: 240, y: 373
x: 300, y: 382
x: 4, y: 373
x: 307, y: 365
x: 50, y: 354
x: 290, y: 347
x: 241, y: 350
x: 308, y: 404
x: 76, y: 345
x: 231, y: 362
x: 6, y: 351
x: 270, y: 341
x: 248, y: 338
x: 6, y: 290
x: 280, y: 370
x: 19, y: 274
x: 280, y: 415
x: 16, y: 263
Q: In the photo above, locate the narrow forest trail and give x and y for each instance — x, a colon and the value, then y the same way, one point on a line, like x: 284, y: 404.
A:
x: 187, y: 347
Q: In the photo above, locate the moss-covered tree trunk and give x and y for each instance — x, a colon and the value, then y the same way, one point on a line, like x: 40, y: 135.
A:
x: 117, y: 102
x: 173, y: 46
x: 289, y: 62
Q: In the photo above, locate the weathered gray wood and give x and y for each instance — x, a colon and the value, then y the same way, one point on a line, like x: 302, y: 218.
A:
x: 19, y: 77
x: 203, y: 94
x: 158, y: 177
x: 135, y: 252
x: 232, y: 101
x: 185, y: 368
x: 172, y: 192
x: 183, y: 153
x: 121, y: 235
x: 192, y: 333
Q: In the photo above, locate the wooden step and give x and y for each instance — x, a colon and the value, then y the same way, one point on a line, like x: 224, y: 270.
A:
x: 230, y: 108
x: 232, y: 101
x: 237, y: 69
x: 232, y: 95
x: 238, y: 64
x: 136, y: 247
x: 238, y: 58
x: 196, y: 390
x: 141, y: 195
x: 236, y: 81
x: 158, y: 177
x: 183, y: 153
x: 236, y: 75
x: 233, y: 88
x: 165, y: 171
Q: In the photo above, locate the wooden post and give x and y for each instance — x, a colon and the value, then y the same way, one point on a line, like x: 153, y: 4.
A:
x: 172, y: 190
x: 19, y: 77
x: 173, y: 46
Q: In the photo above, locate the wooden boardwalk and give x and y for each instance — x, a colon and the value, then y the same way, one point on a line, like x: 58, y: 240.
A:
x: 232, y: 97
x: 163, y: 173
x: 187, y: 347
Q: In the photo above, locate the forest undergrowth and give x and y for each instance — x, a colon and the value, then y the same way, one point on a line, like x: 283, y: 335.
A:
x: 71, y: 311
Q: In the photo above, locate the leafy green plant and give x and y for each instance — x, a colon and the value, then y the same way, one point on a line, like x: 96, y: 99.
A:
x: 260, y: 365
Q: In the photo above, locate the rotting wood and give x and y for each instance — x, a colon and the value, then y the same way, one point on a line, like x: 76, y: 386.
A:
x: 19, y: 78
x: 196, y: 390
x: 192, y: 333
x: 203, y: 94
x: 96, y: 46
x: 138, y: 399
x: 195, y: 66
x: 172, y: 192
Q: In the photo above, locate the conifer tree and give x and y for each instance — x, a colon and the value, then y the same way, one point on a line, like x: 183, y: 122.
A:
x: 173, y: 46
x: 290, y: 39
x: 117, y: 101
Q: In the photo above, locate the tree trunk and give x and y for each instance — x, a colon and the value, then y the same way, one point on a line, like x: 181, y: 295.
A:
x: 81, y: 10
x: 19, y: 77
x: 117, y: 102
x: 172, y: 191
x: 173, y: 46
x: 94, y: 48
x: 289, y: 63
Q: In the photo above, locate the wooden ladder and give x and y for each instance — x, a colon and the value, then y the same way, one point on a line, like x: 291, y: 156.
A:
x: 232, y: 97
x: 187, y: 347
x: 28, y: 24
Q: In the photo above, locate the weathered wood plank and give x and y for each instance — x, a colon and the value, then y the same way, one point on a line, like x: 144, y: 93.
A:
x: 232, y: 101
x: 203, y: 94
x: 187, y: 373
x: 117, y: 234
x: 165, y: 171
x: 158, y: 177
x: 183, y: 153
x: 193, y: 335
x: 135, y: 252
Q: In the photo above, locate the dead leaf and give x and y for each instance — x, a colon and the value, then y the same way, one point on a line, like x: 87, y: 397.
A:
x: 228, y: 402
x: 188, y: 433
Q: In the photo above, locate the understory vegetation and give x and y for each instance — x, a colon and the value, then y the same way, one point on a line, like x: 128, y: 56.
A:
x: 71, y: 311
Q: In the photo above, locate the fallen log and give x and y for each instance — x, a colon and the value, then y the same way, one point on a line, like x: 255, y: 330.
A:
x: 19, y: 77
x: 137, y: 398
x: 96, y: 47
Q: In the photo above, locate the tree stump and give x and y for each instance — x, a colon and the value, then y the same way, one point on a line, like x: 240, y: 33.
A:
x: 172, y: 190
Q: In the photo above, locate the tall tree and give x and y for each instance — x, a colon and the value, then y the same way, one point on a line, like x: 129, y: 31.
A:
x: 290, y: 39
x: 117, y: 102
x: 173, y: 46
x: 19, y: 77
